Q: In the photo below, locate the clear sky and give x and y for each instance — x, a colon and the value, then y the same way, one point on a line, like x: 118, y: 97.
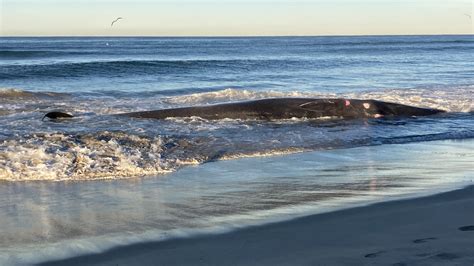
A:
x: 235, y: 17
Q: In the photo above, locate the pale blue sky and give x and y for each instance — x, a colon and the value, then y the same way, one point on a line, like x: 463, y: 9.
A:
x: 235, y: 17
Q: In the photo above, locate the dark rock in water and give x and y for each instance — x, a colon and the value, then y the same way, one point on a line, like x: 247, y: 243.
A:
x: 57, y: 115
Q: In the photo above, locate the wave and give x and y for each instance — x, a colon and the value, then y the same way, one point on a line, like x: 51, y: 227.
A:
x: 31, y: 54
x: 64, y: 157
x: 426, y: 43
x: 125, y: 154
x: 12, y: 54
x: 97, y: 147
x: 118, y: 68
x: 450, y: 99
x: 18, y: 94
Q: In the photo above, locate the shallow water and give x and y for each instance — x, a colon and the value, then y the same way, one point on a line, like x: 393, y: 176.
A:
x: 46, y: 220
x: 96, y: 145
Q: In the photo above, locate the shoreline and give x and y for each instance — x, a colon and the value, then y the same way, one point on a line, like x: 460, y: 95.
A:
x: 430, y: 230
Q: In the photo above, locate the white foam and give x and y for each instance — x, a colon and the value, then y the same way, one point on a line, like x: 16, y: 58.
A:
x: 264, y: 153
x: 61, y: 157
x: 232, y: 95
x: 451, y: 99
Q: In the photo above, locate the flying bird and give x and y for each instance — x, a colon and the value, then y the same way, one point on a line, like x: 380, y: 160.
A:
x: 117, y: 19
x: 468, y: 16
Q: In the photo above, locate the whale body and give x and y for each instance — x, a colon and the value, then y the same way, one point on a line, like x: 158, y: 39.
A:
x: 283, y: 108
x: 57, y: 115
x: 287, y: 108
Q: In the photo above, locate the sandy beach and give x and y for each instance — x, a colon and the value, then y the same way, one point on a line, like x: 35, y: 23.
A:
x: 433, y: 230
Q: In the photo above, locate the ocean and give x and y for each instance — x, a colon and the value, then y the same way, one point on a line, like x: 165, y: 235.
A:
x: 98, y: 181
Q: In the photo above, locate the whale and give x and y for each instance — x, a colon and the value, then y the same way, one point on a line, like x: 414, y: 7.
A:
x: 287, y: 108
x: 57, y: 115
x: 284, y: 108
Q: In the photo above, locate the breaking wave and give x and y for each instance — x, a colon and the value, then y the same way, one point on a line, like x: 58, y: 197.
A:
x: 17, y: 94
x: 114, y: 155
x: 94, y: 146
x: 457, y: 99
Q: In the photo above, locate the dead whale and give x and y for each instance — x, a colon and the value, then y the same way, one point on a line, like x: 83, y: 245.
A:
x: 285, y: 108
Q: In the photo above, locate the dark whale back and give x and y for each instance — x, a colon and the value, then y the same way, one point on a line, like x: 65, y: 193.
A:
x: 286, y: 108
x: 57, y: 115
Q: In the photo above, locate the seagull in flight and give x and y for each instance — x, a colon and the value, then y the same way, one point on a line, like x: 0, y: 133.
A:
x: 468, y: 16
x: 117, y: 19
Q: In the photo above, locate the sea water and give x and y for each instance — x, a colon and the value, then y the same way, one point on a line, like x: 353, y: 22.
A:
x: 98, y: 181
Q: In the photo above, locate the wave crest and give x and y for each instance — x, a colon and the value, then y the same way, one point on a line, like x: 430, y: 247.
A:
x: 68, y: 157
x: 232, y: 95
x: 457, y: 99
x: 12, y: 94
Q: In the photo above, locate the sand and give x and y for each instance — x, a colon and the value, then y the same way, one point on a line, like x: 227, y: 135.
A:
x: 434, y: 230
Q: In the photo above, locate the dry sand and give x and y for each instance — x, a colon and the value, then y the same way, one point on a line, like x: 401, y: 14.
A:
x: 434, y: 230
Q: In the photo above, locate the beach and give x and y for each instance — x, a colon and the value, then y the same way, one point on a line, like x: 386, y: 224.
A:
x: 236, y: 132
x: 256, y: 189
x: 433, y: 230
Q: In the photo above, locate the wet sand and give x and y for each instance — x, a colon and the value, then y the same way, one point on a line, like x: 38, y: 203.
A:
x: 434, y: 230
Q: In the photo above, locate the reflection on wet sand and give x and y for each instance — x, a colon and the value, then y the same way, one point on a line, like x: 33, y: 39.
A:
x: 223, y: 193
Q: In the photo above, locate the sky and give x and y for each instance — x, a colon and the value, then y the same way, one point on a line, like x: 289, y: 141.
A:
x: 234, y: 17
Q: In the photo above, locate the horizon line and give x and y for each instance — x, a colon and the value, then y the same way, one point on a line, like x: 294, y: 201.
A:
x: 230, y: 36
